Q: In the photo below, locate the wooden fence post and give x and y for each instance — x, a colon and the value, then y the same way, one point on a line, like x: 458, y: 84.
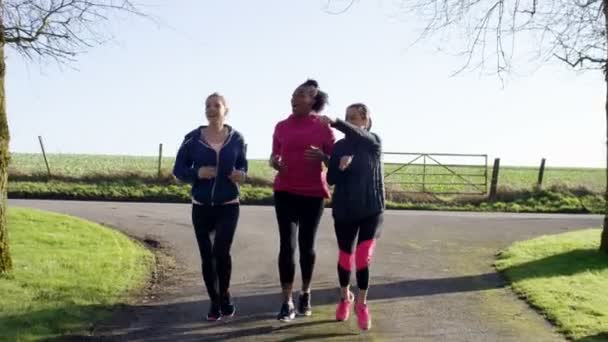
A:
x: 541, y: 174
x: 494, y: 184
x: 46, y: 161
x: 160, y: 160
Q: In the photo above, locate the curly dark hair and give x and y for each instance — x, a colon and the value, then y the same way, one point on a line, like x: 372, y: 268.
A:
x: 321, y: 97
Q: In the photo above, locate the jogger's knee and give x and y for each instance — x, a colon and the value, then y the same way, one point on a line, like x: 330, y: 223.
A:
x: 286, y: 254
x: 346, y: 260
x: 363, y: 254
x: 207, y: 257
x: 221, y: 253
x: 307, y: 255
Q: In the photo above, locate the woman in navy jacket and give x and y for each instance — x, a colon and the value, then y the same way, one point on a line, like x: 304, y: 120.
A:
x: 213, y: 160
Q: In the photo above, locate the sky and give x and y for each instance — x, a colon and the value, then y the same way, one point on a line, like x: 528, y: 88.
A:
x: 148, y: 84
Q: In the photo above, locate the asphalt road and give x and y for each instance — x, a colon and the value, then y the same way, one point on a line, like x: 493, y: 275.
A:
x: 432, y: 277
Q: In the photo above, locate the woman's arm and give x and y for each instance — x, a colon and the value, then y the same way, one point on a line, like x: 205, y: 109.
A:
x: 358, y: 134
x: 183, y: 168
x: 241, y: 166
x: 333, y: 170
x: 241, y: 160
x: 330, y: 142
x: 274, y: 160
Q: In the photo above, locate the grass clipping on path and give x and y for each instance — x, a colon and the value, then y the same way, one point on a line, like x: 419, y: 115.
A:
x: 566, y: 278
x: 67, y: 273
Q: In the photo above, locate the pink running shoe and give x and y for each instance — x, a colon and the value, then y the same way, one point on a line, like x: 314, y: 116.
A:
x: 363, y: 317
x: 343, y: 309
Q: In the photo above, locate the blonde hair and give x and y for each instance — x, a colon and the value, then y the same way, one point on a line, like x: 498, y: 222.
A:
x: 364, y: 111
x: 219, y: 96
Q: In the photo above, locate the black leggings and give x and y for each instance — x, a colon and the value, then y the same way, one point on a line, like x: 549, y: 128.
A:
x: 369, y: 230
x: 293, y: 212
x: 217, y: 224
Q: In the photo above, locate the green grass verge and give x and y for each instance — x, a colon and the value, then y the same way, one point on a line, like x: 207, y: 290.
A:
x: 526, y: 201
x: 564, y: 277
x: 67, y: 275
x: 123, y: 191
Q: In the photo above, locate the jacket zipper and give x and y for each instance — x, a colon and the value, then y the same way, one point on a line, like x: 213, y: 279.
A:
x: 217, y: 166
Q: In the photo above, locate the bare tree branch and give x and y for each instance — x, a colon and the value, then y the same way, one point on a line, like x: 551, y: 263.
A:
x: 59, y: 29
x: 572, y: 31
x: 579, y: 62
x: 350, y: 4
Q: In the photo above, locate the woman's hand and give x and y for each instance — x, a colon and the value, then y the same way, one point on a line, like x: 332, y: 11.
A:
x: 207, y: 172
x: 345, y: 162
x: 276, y: 163
x: 327, y: 120
x: 237, y: 176
x: 315, y: 153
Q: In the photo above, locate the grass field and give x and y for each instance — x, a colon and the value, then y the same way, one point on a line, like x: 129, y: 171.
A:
x: 67, y: 274
x: 75, y: 165
x: 516, y: 178
x: 564, y: 276
x: 83, y: 177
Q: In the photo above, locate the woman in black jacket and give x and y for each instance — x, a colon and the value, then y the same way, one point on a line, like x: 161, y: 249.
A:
x: 355, y: 169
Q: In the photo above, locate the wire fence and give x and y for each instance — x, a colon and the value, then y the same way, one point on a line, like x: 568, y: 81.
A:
x: 404, y: 172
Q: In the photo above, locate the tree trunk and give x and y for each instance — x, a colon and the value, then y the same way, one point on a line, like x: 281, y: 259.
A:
x: 5, y: 257
x: 604, y: 241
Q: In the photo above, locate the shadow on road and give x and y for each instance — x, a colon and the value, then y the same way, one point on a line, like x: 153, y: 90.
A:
x: 183, y: 321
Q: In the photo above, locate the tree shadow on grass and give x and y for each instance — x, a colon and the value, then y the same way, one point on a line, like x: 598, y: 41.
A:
x: 43, y: 323
x: 183, y: 321
x: 601, y: 337
x: 565, y: 264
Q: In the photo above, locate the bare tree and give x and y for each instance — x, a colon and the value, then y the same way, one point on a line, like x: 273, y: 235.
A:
x: 572, y: 31
x: 41, y: 29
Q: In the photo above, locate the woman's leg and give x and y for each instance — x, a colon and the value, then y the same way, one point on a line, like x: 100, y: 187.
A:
x: 369, y: 232
x: 226, y: 227
x: 346, y: 234
x: 204, y: 219
x: 204, y: 224
x: 310, y: 211
x: 287, y: 221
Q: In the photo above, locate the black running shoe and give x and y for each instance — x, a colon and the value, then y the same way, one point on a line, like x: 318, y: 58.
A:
x: 304, y: 307
x: 214, y: 312
x: 228, y: 308
x: 287, y: 313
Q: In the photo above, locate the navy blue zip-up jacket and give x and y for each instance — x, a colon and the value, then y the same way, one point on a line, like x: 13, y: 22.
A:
x: 359, y: 190
x: 195, y: 153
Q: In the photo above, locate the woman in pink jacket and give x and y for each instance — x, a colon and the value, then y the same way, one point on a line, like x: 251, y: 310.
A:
x: 301, y: 144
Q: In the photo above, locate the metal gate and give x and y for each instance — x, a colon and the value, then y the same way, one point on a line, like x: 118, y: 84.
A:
x: 436, y: 173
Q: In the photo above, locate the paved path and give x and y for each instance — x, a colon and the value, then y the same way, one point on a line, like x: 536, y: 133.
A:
x: 432, y: 277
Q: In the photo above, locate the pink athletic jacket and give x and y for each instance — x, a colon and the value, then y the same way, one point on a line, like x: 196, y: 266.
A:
x: 292, y: 137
